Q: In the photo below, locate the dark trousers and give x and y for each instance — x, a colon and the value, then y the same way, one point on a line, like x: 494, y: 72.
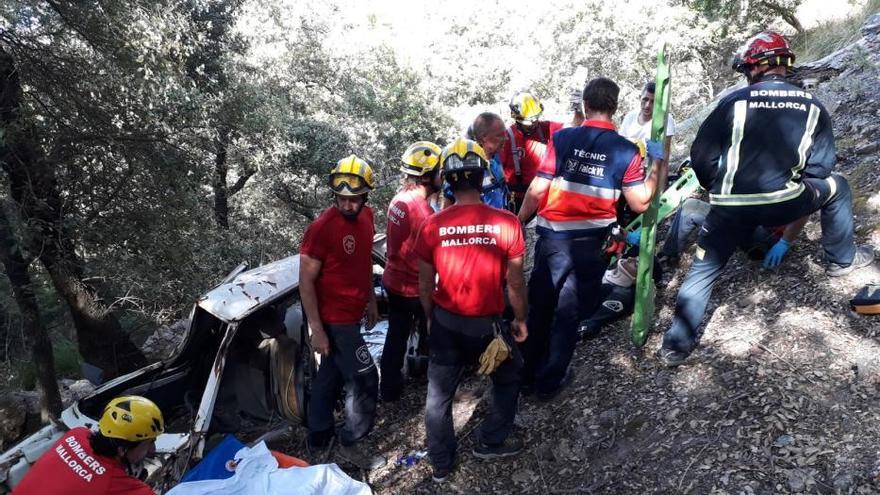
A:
x: 456, y: 341
x: 351, y: 366
x: 564, y: 287
x: 726, y: 227
x: 405, y: 314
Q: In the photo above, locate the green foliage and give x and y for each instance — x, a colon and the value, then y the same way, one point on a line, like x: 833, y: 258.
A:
x: 67, y: 364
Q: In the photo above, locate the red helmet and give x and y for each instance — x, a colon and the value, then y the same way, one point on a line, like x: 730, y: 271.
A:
x: 767, y: 48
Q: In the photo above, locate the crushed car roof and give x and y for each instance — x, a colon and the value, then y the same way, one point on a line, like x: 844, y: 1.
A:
x: 234, y: 300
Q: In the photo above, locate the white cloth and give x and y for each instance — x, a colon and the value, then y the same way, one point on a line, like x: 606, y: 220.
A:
x: 630, y: 128
x: 257, y: 473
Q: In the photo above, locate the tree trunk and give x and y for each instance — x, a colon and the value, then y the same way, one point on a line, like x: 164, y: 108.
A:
x: 221, y: 194
x: 31, y: 321
x: 787, y: 15
x: 34, y: 187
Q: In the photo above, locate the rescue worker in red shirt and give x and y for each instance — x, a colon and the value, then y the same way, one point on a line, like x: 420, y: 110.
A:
x: 100, y: 462
x: 576, y: 191
x: 526, y: 143
x: 407, y: 211
x: 467, y: 252
x: 336, y: 287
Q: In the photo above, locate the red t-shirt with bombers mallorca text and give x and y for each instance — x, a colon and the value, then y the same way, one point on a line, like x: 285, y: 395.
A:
x: 406, y: 213
x: 344, y: 248
x: 469, y: 246
x: 70, y: 467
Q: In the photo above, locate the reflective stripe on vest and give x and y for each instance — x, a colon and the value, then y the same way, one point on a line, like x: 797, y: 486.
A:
x: 792, y: 189
x: 587, y: 190
x: 575, y: 224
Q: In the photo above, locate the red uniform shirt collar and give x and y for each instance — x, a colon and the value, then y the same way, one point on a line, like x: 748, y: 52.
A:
x: 602, y: 124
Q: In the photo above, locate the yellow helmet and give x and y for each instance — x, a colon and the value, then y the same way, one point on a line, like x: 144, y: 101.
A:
x: 351, y: 177
x: 526, y: 108
x: 421, y: 158
x: 463, y: 155
x: 132, y: 418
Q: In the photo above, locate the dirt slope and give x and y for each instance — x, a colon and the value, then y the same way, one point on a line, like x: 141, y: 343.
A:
x: 781, y: 397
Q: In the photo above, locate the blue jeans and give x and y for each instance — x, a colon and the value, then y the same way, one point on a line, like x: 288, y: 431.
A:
x: 691, y: 216
x: 456, y: 341
x: 565, y: 286
x: 687, y: 220
x: 728, y: 226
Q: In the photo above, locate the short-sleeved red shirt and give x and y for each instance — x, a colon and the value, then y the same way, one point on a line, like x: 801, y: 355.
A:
x: 344, y: 248
x: 70, y: 467
x: 406, y: 213
x: 530, y: 150
x: 469, y: 246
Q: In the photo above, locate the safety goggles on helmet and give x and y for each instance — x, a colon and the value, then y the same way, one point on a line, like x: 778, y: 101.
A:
x: 348, y: 185
x: 351, y: 177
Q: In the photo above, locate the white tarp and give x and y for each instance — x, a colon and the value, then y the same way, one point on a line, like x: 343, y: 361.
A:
x: 257, y: 473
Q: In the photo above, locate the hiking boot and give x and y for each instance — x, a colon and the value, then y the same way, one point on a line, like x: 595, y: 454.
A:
x: 320, y: 439
x: 864, y: 257
x: 672, y: 358
x: 355, y: 455
x: 440, y: 475
x: 511, y: 446
x: 548, y: 396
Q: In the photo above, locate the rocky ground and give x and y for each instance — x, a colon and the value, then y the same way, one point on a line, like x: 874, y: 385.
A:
x: 781, y: 397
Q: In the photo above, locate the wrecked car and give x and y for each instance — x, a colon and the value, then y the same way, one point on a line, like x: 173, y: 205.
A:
x: 243, y: 364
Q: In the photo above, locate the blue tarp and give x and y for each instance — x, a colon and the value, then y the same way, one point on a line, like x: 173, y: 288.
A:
x: 215, y: 465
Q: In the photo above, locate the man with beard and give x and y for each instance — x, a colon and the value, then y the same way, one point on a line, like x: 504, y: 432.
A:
x: 335, y: 277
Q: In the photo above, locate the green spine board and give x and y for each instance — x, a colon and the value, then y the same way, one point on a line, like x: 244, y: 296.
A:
x: 645, y: 290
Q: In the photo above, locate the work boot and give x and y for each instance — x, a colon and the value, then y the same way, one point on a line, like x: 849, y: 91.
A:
x: 440, y: 475
x: 548, y: 396
x: 671, y: 358
x: 357, y: 456
x: 864, y: 257
x: 511, y: 446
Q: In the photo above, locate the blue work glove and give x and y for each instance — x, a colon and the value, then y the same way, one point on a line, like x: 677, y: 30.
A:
x: 654, y: 149
x: 634, y: 237
x: 776, y: 253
